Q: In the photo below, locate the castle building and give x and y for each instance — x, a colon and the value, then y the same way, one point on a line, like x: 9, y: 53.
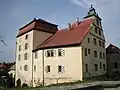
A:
x: 46, y: 55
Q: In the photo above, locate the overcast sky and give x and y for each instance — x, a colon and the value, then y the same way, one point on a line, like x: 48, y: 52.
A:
x: 16, y: 13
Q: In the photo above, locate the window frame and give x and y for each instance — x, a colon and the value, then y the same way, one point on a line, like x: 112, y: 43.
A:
x: 25, y: 67
x: 61, y: 52
x: 96, y: 67
x: 26, y: 46
x: 94, y: 41
x: 26, y: 56
x: 36, y: 54
x: 95, y: 54
x: 26, y: 37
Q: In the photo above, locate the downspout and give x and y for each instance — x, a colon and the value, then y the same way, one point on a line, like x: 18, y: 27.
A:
x: 43, y: 65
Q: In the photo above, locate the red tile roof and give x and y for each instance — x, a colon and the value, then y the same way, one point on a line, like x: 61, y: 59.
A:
x: 38, y: 24
x: 68, y: 37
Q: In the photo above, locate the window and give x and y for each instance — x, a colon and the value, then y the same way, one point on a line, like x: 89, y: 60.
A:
x: 103, y: 44
x: 95, y: 53
x: 19, y: 48
x: 100, y: 55
x: 20, y: 68
x: 19, y: 57
x: 88, y: 40
x: 86, y: 67
x: 60, y: 69
x: 88, y: 51
x: 26, y: 37
x: 47, y: 69
x: 115, y: 65
x: 104, y: 67
x: 99, y: 32
x: 100, y: 43
x: 34, y: 68
x: 61, y: 52
x: 85, y: 51
x: 25, y: 67
x: 96, y: 67
x: 36, y: 54
x: 97, y: 21
x: 26, y: 46
x: 100, y: 65
x: 25, y: 56
x: 103, y: 55
x: 94, y: 41
x: 50, y: 53
x: 95, y: 29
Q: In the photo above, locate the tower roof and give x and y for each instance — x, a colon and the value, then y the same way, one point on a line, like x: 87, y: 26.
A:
x: 92, y: 12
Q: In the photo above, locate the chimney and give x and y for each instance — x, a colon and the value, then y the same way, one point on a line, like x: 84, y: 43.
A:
x: 69, y: 26
x: 77, y: 21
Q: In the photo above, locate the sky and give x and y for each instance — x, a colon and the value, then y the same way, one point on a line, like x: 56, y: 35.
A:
x: 16, y: 13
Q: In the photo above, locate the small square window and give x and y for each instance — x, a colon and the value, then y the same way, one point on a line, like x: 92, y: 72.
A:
x: 86, y: 67
x: 60, y: 69
x: 26, y: 46
x: 104, y: 67
x: 94, y: 41
x: 36, y: 54
x: 100, y: 55
x: 103, y: 44
x: 25, y: 56
x: 88, y: 40
x: 34, y: 68
x: 96, y: 30
x: 100, y: 65
x: 26, y: 37
x: 95, y: 53
x: 25, y: 67
x: 88, y: 51
x: 99, y: 32
x: 48, y: 53
x: 47, y: 69
x: 19, y: 57
x: 20, y: 48
x: 100, y: 43
x: 103, y: 55
x: 97, y: 21
x: 85, y: 51
x: 61, y: 52
x: 96, y: 67
x: 20, y: 68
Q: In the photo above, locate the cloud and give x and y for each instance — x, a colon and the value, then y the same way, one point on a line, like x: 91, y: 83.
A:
x: 81, y: 3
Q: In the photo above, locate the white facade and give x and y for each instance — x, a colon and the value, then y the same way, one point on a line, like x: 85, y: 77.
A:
x: 76, y: 62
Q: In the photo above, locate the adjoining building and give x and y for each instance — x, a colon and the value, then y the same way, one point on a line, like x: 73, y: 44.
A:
x: 46, y: 55
x: 113, y: 61
x: 11, y: 71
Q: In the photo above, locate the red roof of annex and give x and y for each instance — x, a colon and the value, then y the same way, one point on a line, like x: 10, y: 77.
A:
x: 68, y: 37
